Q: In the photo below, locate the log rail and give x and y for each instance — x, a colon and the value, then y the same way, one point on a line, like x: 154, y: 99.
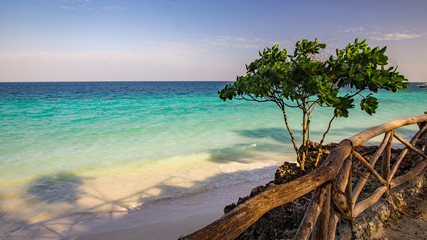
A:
x: 331, y: 183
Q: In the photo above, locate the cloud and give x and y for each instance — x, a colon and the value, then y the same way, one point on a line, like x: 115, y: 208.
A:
x: 236, y: 42
x: 67, y: 8
x: 375, y: 32
x: 87, y: 5
x: 356, y: 29
x: 74, y: 4
x: 392, y: 36
x: 110, y: 8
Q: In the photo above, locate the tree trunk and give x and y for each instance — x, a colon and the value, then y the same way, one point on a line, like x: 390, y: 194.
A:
x: 290, y: 131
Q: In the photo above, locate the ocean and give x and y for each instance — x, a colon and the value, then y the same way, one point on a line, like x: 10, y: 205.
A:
x: 72, y: 149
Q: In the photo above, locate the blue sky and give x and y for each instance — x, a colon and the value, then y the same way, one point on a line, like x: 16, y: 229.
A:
x: 166, y: 40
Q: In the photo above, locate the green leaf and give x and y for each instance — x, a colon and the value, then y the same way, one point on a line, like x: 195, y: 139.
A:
x: 358, y: 78
x: 352, y: 69
x: 369, y: 104
x: 369, y: 72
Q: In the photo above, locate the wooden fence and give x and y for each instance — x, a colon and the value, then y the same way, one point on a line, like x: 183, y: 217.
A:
x: 330, y: 185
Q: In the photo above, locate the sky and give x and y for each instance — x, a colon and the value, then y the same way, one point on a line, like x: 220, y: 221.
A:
x: 193, y: 40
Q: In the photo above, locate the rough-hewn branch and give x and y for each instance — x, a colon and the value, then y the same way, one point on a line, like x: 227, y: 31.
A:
x: 408, y: 176
x: 375, y: 131
x: 369, y: 167
x: 311, y: 214
x: 385, y: 167
x: 333, y: 221
x: 361, y: 206
x: 425, y: 141
x: 410, y: 146
x: 321, y: 228
x: 358, y: 189
x: 341, y: 182
x: 403, y: 153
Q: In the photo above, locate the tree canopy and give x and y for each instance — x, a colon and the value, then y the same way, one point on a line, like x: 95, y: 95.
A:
x: 304, y: 80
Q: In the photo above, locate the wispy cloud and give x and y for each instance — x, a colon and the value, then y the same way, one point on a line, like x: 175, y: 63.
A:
x: 74, y: 4
x: 67, y: 8
x: 377, y: 33
x: 393, y: 36
x: 236, y: 42
x: 356, y: 29
x: 87, y: 5
x: 111, y: 8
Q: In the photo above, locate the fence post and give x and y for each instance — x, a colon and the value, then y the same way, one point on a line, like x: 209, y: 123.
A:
x: 321, y: 228
x: 385, y: 168
x: 341, y: 182
x: 425, y: 142
x: 312, y: 213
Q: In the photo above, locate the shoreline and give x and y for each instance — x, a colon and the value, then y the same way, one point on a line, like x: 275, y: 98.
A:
x: 167, y: 219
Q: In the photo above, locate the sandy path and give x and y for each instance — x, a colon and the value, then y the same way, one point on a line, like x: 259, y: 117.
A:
x: 413, y: 225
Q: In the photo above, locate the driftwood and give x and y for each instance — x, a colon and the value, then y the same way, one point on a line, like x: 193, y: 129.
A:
x: 385, y: 168
x: 408, y: 176
x: 409, y: 145
x: 341, y: 183
x: 329, y: 181
x: 361, y: 206
x: 358, y: 189
x: 403, y: 153
x: 312, y: 213
x: 321, y: 228
x: 369, y: 167
x: 364, y: 136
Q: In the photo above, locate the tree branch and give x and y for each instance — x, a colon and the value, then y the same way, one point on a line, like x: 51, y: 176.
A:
x: 327, y: 130
x: 313, y: 106
x: 357, y: 93
x: 290, y: 131
x: 253, y: 99
x: 287, y: 105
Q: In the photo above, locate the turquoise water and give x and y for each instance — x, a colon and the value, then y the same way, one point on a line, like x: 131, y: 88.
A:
x: 73, y: 147
x: 78, y: 128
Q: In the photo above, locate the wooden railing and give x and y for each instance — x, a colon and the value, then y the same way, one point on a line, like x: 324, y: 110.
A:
x: 330, y: 185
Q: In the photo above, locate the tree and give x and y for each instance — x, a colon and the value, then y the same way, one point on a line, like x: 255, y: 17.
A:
x: 304, y: 81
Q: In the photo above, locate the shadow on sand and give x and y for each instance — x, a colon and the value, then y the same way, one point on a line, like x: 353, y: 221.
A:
x: 55, y: 188
x: 8, y: 223
x: 64, y: 188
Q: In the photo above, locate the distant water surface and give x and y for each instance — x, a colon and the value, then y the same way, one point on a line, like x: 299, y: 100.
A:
x: 98, y: 147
